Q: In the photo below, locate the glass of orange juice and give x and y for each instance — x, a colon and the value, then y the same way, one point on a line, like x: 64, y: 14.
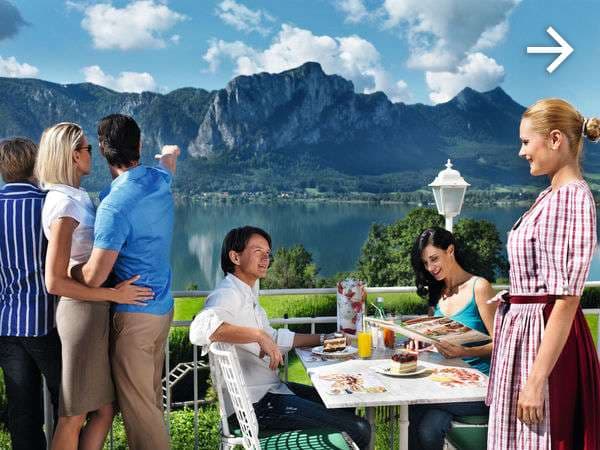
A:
x: 364, y: 344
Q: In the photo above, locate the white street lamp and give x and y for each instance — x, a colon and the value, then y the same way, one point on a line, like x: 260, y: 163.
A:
x: 449, y: 192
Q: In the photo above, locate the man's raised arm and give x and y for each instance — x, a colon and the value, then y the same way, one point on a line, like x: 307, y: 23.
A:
x: 168, y: 157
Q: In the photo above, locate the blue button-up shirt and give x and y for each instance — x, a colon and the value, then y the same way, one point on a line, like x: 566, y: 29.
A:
x: 26, y: 308
x: 135, y: 218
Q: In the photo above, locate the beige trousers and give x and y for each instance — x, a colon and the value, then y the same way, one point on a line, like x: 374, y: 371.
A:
x: 137, y: 357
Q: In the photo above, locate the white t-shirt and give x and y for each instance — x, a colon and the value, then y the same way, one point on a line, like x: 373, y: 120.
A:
x: 66, y: 201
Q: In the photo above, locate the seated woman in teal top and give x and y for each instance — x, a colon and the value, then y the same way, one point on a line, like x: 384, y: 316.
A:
x: 455, y: 293
x: 469, y: 315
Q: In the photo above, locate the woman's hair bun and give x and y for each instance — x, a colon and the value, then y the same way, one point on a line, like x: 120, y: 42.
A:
x: 591, y: 129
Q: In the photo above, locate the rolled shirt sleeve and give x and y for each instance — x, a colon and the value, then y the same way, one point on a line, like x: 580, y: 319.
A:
x: 204, y: 325
x: 567, y: 237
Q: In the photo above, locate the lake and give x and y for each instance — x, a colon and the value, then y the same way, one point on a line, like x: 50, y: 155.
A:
x: 333, y: 232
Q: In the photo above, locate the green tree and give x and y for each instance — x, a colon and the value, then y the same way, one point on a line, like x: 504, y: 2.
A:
x: 481, y: 248
x: 291, y: 268
x: 385, y: 256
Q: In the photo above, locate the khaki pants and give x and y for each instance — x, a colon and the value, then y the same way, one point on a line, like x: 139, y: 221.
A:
x: 137, y: 357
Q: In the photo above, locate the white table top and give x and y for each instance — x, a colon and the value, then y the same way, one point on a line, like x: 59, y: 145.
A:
x: 417, y: 389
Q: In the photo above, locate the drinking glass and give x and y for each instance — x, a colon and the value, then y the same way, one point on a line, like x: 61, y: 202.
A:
x: 364, y: 344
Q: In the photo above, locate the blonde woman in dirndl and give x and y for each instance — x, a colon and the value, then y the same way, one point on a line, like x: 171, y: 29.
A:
x: 544, y: 390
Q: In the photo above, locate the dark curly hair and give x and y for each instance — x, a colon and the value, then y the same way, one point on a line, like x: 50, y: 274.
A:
x: 427, y: 286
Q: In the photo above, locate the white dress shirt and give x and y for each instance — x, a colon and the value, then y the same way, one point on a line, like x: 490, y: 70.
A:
x: 67, y: 201
x: 236, y: 303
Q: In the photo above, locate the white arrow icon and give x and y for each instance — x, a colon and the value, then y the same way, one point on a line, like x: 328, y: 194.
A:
x: 565, y: 50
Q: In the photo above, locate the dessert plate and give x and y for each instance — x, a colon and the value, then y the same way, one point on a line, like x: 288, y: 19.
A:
x: 349, y: 350
x: 387, y: 370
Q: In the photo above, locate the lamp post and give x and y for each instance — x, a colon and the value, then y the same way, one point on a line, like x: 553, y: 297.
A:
x: 449, y: 192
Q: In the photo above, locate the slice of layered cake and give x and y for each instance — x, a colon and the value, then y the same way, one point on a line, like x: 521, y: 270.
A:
x: 335, y: 344
x: 404, y: 361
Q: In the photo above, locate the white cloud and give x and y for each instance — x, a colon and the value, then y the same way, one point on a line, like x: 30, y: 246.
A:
x: 140, y: 24
x: 243, y: 18
x: 351, y: 57
x: 442, y: 32
x: 478, y: 72
x: 125, y: 82
x: 10, y: 67
x: 355, y: 10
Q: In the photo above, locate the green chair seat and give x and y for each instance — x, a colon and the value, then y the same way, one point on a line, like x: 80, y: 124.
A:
x: 312, y: 439
x: 468, y: 433
x: 472, y: 420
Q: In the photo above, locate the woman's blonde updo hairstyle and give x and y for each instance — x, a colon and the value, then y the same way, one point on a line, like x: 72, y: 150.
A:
x: 556, y: 114
x: 54, y: 163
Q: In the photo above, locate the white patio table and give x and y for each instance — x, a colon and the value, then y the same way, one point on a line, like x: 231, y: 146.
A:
x: 400, y: 391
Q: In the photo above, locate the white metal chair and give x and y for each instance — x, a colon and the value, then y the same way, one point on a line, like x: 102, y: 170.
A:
x: 226, y: 373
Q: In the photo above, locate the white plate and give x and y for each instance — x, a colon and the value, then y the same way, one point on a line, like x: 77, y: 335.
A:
x: 349, y: 350
x: 385, y: 370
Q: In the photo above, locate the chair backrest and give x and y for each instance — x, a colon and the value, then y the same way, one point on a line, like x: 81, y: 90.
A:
x: 226, y: 372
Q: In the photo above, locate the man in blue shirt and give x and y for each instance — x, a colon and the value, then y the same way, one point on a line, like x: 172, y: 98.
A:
x: 29, y: 343
x: 132, y: 235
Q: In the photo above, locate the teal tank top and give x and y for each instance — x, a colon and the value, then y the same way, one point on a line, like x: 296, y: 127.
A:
x: 470, y: 317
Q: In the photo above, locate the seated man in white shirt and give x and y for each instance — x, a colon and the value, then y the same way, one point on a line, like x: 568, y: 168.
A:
x: 232, y: 314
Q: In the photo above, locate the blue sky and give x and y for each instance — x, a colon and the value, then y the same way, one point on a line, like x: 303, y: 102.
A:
x: 414, y: 50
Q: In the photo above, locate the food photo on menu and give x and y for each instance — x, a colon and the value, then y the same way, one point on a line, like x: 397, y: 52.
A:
x: 434, y: 329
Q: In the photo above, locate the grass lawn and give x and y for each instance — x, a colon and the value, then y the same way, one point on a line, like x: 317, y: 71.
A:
x: 306, y: 305
x: 592, y: 320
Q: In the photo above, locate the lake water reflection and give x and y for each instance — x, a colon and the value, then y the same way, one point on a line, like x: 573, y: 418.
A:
x: 333, y: 232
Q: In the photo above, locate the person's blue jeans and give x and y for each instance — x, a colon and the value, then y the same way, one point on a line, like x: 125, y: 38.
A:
x: 23, y: 361
x: 430, y: 423
x: 305, y: 410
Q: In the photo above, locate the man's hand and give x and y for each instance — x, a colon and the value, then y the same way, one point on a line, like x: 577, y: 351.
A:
x: 269, y: 348
x: 168, y: 156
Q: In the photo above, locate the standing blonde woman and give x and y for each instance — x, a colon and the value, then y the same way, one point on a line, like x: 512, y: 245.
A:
x: 544, y: 390
x: 82, y: 316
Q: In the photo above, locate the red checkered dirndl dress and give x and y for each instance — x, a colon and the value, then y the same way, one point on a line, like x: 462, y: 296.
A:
x: 550, y: 249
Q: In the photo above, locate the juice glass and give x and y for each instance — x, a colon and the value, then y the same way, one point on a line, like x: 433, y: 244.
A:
x: 364, y: 344
x: 389, y: 338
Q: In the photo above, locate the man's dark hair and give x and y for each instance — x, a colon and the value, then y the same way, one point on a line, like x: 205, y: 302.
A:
x: 237, y: 240
x: 119, y: 137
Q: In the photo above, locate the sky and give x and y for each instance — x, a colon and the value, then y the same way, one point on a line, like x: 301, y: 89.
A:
x: 416, y: 51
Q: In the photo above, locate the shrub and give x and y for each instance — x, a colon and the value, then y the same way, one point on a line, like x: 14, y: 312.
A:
x: 182, y: 430
x: 591, y: 298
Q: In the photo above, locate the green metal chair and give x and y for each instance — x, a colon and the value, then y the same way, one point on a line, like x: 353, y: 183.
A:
x: 468, y: 433
x: 226, y: 373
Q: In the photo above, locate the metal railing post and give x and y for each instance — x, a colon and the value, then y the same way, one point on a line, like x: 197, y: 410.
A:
x: 168, y: 380
x: 286, y: 359
x: 196, y: 443
x: 48, y: 415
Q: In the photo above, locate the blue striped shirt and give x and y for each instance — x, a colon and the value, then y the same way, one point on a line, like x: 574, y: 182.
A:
x: 26, y: 308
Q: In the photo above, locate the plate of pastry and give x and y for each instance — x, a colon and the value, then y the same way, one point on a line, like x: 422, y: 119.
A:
x: 335, y: 347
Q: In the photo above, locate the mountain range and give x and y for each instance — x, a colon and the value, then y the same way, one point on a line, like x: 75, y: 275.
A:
x: 291, y: 131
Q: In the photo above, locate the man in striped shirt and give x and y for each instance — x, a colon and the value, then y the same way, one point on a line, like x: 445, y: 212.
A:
x: 29, y: 343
